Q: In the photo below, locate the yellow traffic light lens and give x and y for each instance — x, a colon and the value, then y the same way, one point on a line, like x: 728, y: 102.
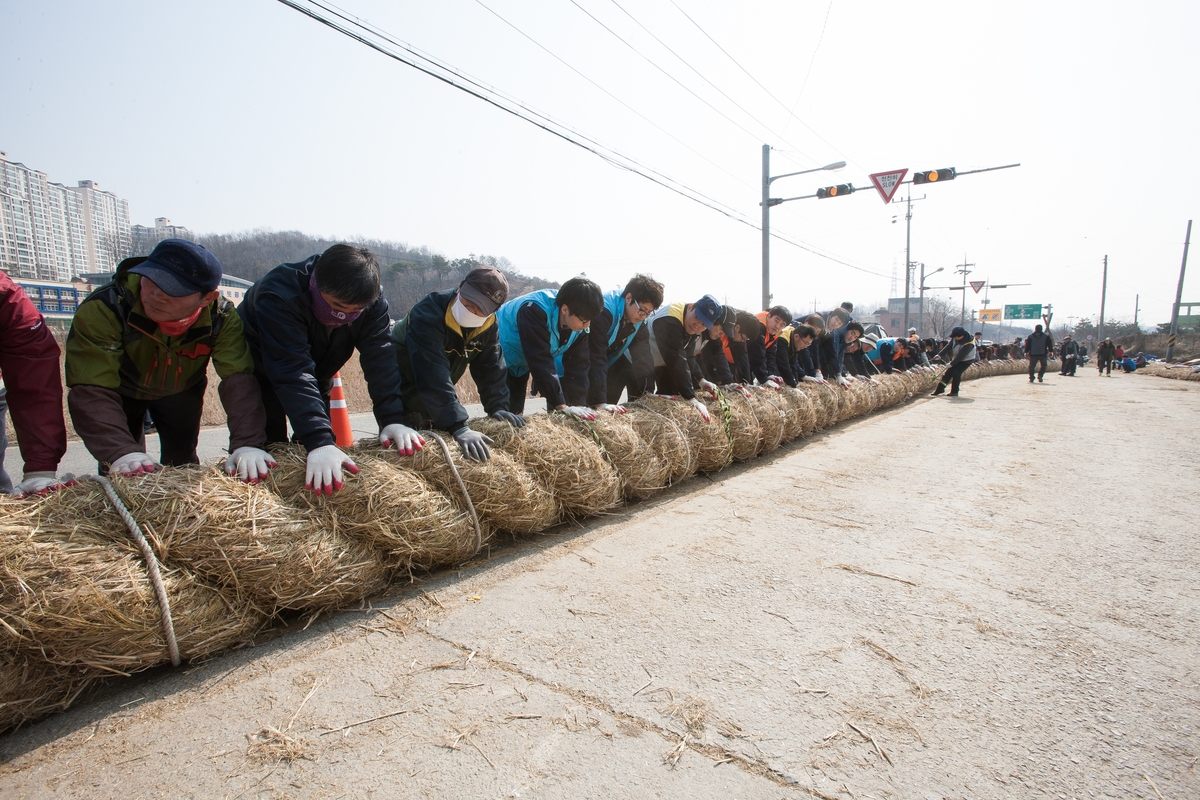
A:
x: 832, y: 191
x: 933, y: 176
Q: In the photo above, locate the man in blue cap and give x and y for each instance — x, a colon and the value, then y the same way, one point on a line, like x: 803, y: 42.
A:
x: 143, y: 343
x: 675, y: 340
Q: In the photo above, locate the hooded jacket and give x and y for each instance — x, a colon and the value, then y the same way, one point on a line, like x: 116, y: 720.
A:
x: 1038, y: 343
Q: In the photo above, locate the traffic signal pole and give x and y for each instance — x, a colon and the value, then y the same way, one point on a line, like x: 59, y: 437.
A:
x: 766, y: 226
x: 1103, y: 297
x: 1178, y: 295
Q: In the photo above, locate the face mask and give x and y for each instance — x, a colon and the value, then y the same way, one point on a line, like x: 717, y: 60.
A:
x: 463, y: 316
x: 326, y: 314
x: 180, y: 326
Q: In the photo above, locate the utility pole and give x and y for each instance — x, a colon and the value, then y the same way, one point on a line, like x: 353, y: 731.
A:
x: 1137, y: 306
x: 962, y: 319
x: 908, y: 263
x: 1103, y: 295
x: 766, y: 226
x: 1178, y: 296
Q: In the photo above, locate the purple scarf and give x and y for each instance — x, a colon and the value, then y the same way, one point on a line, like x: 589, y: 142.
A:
x: 326, y: 314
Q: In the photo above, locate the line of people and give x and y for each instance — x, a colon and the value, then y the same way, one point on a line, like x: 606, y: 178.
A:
x: 144, y: 342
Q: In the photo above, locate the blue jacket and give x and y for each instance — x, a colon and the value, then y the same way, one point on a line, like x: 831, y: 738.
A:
x: 534, y: 343
x: 613, y: 337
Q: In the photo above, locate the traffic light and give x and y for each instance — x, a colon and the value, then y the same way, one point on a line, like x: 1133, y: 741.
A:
x: 934, y: 175
x: 835, y: 191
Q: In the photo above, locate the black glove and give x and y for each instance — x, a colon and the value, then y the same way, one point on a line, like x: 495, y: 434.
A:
x: 516, y: 420
x: 474, y: 444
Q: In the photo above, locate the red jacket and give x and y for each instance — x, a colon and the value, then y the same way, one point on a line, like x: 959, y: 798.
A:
x: 29, y: 364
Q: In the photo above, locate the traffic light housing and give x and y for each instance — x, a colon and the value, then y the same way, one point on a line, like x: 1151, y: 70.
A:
x: 835, y: 191
x: 934, y: 175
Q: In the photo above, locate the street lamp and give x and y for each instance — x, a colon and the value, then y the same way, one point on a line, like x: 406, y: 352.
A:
x: 767, y: 202
x: 921, y: 310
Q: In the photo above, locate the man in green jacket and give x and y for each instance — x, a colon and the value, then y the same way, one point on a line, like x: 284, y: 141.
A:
x: 143, y: 343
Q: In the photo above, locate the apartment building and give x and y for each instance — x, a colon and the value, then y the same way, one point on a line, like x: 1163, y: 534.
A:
x: 52, y: 232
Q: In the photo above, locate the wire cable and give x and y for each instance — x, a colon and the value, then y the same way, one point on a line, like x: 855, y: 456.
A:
x: 555, y: 56
x: 650, y: 61
x: 687, y: 64
x: 782, y: 105
x: 537, y: 119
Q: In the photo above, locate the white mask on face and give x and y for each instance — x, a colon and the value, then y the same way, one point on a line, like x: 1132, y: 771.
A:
x: 464, y: 317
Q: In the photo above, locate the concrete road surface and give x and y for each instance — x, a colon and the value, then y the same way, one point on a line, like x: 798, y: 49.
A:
x: 988, y: 597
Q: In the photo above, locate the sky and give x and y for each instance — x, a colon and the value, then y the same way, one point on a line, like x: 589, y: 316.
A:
x: 229, y: 116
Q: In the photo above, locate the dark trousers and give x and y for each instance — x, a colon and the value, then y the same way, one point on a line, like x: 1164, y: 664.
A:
x: 1106, y: 365
x: 177, y: 418
x: 276, y: 416
x: 621, y: 379
x: 953, y: 377
x: 1034, y: 360
x: 1069, y: 365
x: 518, y: 387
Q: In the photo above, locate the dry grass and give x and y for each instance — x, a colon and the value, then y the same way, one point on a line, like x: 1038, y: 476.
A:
x: 802, y: 417
x: 663, y: 438
x: 31, y: 688
x: 707, y: 442
x: 643, y: 473
x: 408, y: 523
x: 741, y: 421
x: 770, y: 409
x: 85, y: 600
x: 581, y: 480
x: 245, y: 538
x: 505, y: 494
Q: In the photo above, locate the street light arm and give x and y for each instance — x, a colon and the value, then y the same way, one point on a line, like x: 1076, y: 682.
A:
x: 834, y: 166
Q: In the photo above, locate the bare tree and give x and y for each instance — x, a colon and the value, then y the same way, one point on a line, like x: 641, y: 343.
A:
x: 941, y: 314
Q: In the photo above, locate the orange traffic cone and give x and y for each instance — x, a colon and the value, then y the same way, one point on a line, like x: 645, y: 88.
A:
x: 339, y: 415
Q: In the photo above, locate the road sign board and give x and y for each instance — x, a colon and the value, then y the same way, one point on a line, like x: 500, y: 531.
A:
x: 989, y: 315
x: 977, y: 285
x: 886, y: 183
x: 1027, y: 311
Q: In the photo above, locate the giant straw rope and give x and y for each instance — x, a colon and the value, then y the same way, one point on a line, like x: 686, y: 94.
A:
x: 102, y: 579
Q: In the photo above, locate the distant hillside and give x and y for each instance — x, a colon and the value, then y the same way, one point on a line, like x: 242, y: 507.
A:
x: 408, y: 273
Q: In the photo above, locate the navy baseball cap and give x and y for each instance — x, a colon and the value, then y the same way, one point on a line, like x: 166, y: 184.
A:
x: 709, y: 311
x: 180, y: 268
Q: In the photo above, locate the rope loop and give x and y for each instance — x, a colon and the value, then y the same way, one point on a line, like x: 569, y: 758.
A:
x: 152, y: 567
x: 462, y: 487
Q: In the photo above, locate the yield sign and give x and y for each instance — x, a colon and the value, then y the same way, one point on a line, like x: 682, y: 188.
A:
x: 888, y: 182
x: 977, y: 285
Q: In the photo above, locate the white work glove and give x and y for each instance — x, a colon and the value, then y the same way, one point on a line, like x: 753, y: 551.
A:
x: 820, y: 377
x: 516, y: 420
x: 745, y: 392
x: 42, y: 483
x: 474, y: 444
x: 774, y: 383
x: 133, y: 464
x: 324, y: 474
x: 579, y: 412
x: 843, y: 381
x: 610, y: 408
x: 712, y: 387
x: 811, y: 379
x: 407, y: 440
x: 250, y: 464
x: 703, y: 409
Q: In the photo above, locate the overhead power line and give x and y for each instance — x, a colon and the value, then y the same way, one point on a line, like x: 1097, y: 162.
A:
x: 562, y: 61
x: 688, y: 64
x: 791, y: 111
x: 362, y: 32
